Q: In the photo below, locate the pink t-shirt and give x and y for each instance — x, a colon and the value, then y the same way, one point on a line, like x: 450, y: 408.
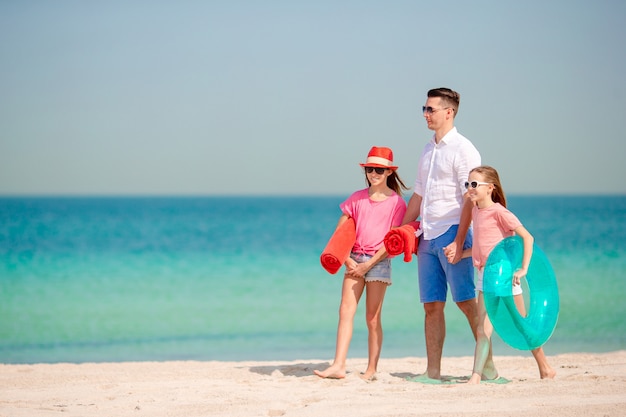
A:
x: 490, y: 226
x: 373, y: 219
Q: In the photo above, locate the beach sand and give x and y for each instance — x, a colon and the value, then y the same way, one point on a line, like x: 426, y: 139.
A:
x: 586, y: 385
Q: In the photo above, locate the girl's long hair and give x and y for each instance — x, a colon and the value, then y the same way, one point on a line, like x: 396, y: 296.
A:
x: 393, y: 181
x: 491, y: 175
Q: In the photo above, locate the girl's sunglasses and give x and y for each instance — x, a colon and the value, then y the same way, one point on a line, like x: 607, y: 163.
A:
x: 475, y: 184
x: 378, y: 170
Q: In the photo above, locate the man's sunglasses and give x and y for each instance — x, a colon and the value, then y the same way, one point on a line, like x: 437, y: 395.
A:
x: 430, y: 110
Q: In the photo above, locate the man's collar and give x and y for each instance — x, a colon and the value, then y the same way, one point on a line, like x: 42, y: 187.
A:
x: 447, y: 137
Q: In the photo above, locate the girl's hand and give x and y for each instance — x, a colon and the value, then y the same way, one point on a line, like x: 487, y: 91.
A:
x: 359, y: 270
x: 450, y: 252
x: 350, y: 265
x: 355, y: 269
x: 518, y: 275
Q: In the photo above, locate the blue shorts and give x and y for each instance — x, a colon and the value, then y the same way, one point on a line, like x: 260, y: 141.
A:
x: 379, y: 272
x: 436, y: 273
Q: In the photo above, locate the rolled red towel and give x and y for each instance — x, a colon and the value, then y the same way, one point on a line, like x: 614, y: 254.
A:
x: 402, y: 240
x: 339, y: 246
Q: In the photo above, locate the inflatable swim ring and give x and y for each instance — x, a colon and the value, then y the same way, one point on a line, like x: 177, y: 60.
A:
x: 532, y: 331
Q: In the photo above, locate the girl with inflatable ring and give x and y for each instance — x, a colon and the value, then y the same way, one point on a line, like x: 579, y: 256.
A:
x: 492, y: 222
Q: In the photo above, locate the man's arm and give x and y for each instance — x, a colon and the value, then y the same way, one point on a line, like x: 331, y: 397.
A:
x: 413, y: 209
x: 456, y: 248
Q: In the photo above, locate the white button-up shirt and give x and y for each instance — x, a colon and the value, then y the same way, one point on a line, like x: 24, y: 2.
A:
x: 442, y: 172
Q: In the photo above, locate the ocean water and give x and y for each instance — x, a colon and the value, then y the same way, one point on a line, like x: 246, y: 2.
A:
x: 239, y: 278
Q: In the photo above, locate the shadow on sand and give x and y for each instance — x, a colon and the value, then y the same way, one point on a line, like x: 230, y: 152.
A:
x: 297, y: 369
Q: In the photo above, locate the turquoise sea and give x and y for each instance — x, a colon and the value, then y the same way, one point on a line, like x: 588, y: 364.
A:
x: 239, y: 278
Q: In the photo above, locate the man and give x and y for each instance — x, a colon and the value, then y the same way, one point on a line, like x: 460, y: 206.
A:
x: 442, y: 201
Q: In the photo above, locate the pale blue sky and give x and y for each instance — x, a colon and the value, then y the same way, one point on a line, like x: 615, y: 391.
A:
x: 286, y: 97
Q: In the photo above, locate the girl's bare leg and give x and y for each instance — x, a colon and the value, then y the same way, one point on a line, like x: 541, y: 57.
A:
x: 350, y: 295
x: 545, y: 370
x: 375, y: 294
x: 483, y: 344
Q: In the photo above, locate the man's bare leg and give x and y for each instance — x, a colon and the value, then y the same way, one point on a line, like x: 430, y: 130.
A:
x: 435, y: 332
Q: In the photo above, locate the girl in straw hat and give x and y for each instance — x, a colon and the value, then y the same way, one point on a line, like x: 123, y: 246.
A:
x: 375, y: 210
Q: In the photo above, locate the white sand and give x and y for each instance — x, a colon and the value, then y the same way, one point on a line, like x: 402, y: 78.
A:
x: 586, y: 385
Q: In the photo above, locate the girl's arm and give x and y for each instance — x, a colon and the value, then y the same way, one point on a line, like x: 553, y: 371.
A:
x: 528, y: 253
x: 349, y: 263
x: 344, y: 217
x: 360, y: 269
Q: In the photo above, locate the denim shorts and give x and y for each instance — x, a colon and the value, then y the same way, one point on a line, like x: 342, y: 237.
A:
x: 379, y: 272
x: 436, y: 273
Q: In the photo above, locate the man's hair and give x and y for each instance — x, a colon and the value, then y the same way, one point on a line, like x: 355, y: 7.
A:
x: 449, y: 98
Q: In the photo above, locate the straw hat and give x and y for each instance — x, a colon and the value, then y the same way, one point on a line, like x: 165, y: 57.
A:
x: 380, y: 157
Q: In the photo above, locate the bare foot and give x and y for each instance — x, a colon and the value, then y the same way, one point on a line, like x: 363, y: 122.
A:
x: 474, y: 379
x: 433, y: 373
x: 369, y: 376
x: 332, y: 372
x: 489, y: 373
x: 547, y: 373
x: 490, y: 376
